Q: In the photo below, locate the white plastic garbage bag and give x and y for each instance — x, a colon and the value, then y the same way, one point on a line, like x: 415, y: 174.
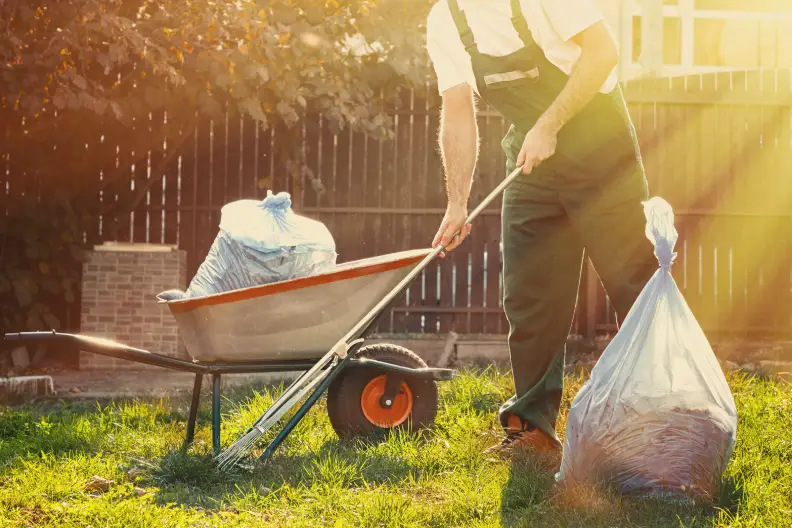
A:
x: 261, y: 242
x: 656, y: 418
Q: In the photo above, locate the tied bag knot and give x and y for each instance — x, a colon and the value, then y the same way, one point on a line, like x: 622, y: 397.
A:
x: 660, y: 230
x: 277, y: 204
x: 665, y: 255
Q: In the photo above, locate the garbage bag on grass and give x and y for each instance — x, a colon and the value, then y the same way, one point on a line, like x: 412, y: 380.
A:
x: 656, y: 418
x: 261, y: 242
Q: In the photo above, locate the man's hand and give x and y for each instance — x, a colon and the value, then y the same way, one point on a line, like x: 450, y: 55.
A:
x: 540, y: 143
x: 453, y: 221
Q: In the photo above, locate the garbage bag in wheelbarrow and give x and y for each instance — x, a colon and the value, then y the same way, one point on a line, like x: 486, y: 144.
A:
x: 656, y: 418
x: 260, y: 242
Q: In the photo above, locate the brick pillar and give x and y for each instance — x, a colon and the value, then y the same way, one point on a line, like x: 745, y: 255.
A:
x: 119, y: 288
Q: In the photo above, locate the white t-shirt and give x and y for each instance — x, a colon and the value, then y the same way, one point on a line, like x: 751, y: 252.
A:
x: 552, y: 24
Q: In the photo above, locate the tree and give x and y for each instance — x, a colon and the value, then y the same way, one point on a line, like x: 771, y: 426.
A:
x: 273, y: 60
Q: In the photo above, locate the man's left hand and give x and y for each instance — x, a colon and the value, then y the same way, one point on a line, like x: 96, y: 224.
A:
x: 540, y: 144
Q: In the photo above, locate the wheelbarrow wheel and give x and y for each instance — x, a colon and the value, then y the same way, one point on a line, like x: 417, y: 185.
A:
x: 354, y: 398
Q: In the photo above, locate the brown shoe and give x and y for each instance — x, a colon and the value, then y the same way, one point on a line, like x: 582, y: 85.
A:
x: 521, y: 437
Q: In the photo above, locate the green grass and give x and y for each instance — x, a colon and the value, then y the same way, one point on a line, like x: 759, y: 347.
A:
x: 48, y: 454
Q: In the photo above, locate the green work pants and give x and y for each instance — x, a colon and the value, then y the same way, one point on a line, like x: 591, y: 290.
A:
x: 549, y: 219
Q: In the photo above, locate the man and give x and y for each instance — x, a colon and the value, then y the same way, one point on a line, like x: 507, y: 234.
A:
x: 548, y: 67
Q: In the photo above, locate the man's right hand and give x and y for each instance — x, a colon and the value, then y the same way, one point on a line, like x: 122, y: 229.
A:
x: 453, y: 222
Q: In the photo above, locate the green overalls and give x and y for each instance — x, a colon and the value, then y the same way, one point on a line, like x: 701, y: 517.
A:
x: 588, y: 195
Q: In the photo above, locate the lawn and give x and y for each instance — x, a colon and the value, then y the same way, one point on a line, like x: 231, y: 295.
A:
x: 48, y: 455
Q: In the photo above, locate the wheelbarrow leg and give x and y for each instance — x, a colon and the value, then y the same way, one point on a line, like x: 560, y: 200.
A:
x: 196, y: 399
x: 216, y: 413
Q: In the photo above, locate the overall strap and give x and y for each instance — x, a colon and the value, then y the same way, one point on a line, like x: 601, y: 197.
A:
x: 461, y: 23
x: 520, y: 24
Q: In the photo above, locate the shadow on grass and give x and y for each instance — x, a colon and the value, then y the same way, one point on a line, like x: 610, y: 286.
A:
x: 531, y: 498
x: 194, y: 480
x: 528, y: 487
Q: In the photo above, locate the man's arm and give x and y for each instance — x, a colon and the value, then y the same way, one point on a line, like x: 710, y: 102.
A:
x: 598, y: 57
x: 459, y: 143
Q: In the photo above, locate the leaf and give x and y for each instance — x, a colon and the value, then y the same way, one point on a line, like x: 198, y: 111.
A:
x: 51, y: 285
x: 314, y: 13
x: 52, y: 322
x: 335, y: 126
x: 97, y: 483
x: 203, y: 62
x: 119, y: 113
x: 27, y: 13
x: 209, y: 106
x: 318, y: 186
x: 59, y: 100
x: 34, y: 320
x: 80, y: 82
x: 104, y: 61
x: 74, y: 101
x: 222, y: 81
x: 252, y: 106
x: 22, y: 293
x: 287, y: 113
x: 116, y: 52
x: 44, y: 268
x: 100, y: 105
x: 285, y: 15
x: 76, y: 253
x: 257, y: 71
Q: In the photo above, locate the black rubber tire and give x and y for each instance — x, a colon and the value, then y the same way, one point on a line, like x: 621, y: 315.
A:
x: 345, y: 392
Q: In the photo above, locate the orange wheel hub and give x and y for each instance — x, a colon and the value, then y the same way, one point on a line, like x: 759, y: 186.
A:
x: 381, y: 416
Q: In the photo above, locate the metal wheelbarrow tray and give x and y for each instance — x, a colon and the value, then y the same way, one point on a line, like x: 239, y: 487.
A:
x: 298, y: 319
x: 288, y: 326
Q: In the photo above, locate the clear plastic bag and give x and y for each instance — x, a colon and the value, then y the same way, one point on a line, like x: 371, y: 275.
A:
x: 261, y: 242
x: 656, y: 418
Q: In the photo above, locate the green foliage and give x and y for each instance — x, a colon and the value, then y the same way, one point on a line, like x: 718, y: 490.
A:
x: 40, y: 262
x: 49, y: 453
x: 275, y: 61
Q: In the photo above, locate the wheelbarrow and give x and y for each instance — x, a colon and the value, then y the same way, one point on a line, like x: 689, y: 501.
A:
x: 294, y: 326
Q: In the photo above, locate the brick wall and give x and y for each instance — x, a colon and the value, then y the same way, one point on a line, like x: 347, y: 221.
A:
x: 119, y: 289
